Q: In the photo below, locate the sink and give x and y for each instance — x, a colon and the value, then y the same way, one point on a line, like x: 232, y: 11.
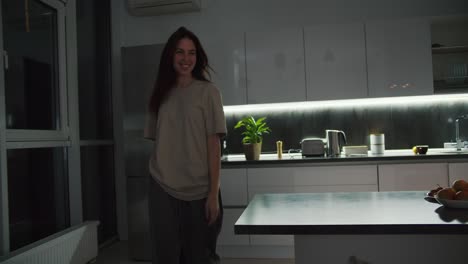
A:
x: 451, y: 148
x: 454, y: 151
x: 450, y: 145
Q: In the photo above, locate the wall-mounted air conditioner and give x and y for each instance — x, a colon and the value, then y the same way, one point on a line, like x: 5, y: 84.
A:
x: 159, y: 7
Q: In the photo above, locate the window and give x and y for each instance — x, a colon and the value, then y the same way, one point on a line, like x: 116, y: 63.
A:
x: 35, y: 90
x: 36, y: 139
x: 37, y: 194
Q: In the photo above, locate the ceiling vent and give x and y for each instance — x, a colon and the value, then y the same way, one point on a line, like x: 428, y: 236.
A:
x: 160, y: 7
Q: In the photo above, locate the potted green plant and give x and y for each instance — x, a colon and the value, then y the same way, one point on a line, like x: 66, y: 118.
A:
x: 253, y: 136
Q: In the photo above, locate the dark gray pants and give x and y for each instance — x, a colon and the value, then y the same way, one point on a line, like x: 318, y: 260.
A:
x: 179, y: 229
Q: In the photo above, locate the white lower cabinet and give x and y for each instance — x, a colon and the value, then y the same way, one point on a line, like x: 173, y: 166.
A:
x: 312, y: 179
x: 412, y: 177
x: 346, y: 176
x: 227, y: 236
x: 234, y: 194
x: 234, y: 187
x: 270, y: 180
x: 254, y: 190
x: 336, y: 179
x: 457, y: 171
x: 336, y: 188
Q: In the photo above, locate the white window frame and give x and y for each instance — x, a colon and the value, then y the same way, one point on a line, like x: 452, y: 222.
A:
x: 62, y: 133
x: 36, y: 144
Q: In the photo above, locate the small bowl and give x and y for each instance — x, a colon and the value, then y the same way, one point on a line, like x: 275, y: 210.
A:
x: 421, y: 149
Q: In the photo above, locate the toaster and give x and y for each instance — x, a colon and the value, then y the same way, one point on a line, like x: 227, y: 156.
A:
x: 313, y: 147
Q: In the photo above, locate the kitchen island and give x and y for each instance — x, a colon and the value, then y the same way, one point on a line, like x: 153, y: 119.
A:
x: 377, y: 227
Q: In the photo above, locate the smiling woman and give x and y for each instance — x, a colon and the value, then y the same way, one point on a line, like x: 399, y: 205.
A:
x: 185, y: 205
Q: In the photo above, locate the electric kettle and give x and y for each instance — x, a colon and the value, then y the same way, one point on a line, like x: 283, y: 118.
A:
x: 335, y: 141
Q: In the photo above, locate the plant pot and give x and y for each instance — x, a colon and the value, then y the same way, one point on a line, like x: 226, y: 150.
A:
x: 252, y: 151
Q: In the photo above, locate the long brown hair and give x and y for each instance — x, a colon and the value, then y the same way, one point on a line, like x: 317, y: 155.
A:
x: 167, y: 76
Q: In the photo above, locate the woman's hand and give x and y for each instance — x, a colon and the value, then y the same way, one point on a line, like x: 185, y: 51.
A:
x: 212, y: 202
x: 212, y: 208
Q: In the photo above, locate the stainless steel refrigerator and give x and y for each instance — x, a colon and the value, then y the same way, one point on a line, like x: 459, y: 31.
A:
x: 140, y: 65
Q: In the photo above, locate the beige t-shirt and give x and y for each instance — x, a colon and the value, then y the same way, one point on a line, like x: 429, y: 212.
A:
x: 187, y: 117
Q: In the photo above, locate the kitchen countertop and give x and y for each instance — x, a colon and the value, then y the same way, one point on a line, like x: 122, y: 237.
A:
x: 349, y: 213
x: 397, y: 155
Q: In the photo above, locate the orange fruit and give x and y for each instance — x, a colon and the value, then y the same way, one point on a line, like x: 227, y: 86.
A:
x: 460, y: 185
x: 446, y: 194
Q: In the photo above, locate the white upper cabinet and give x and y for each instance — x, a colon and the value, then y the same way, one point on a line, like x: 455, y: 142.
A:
x: 399, y: 57
x: 226, y: 55
x: 275, y: 66
x: 335, y: 61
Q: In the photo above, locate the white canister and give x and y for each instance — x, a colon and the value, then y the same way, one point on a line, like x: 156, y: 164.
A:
x: 377, y: 144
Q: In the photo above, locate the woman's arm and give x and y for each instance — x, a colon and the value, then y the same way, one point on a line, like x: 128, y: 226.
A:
x: 214, y: 160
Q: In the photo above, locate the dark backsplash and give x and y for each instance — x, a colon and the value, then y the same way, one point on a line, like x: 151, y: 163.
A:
x: 404, y: 125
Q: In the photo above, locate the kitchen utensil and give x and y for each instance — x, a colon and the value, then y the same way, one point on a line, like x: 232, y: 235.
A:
x: 279, y: 149
x: 377, y: 144
x: 335, y: 140
x: 312, y: 147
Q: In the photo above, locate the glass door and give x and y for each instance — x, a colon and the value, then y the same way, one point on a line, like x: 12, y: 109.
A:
x: 450, y: 67
x: 450, y: 54
x: 35, y: 142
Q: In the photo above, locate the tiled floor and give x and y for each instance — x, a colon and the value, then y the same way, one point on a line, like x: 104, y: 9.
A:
x: 118, y: 254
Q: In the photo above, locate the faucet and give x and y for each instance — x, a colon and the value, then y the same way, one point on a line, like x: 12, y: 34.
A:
x: 457, y: 130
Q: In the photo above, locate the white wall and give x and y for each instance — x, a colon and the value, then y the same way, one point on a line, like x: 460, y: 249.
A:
x: 221, y: 17
x: 222, y: 22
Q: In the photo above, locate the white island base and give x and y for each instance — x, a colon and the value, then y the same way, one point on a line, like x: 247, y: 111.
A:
x: 381, y: 249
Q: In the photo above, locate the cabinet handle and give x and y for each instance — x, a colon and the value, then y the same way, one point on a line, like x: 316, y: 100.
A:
x: 407, y: 85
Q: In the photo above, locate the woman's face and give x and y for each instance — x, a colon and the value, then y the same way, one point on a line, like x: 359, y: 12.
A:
x: 185, y: 57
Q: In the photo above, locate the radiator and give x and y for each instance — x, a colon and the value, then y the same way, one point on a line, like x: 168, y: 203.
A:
x: 75, y: 245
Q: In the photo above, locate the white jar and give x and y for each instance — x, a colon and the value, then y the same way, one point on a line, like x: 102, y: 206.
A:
x: 377, y: 144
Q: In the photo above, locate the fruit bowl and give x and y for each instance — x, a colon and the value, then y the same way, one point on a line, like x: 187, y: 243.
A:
x: 453, y: 203
x: 431, y: 199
